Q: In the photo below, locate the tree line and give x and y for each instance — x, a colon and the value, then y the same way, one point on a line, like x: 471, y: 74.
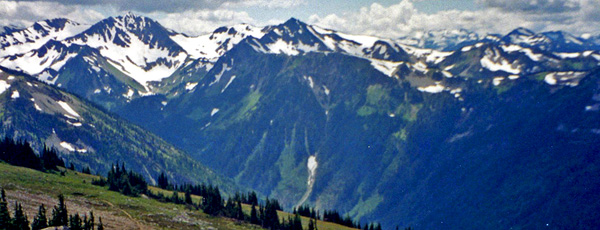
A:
x: 20, y: 153
x: 60, y: 217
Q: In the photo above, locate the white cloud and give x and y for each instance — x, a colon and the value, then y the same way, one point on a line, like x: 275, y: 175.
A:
x: 402, y: 18
x: 196, y: 22
x: 389, y: 21
x: 26, y: 13
x: 270, y: 4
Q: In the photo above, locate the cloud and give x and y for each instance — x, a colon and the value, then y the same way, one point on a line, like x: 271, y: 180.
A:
x: 269, y: 4
x: 497, y: 16
x: 540, y: 6
x: 24, y: 14
x: 389, y: 21
x: 171, y: 6
x: 196, y: 22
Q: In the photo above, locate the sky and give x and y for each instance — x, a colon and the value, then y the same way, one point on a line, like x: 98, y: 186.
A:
x: 383, y: 18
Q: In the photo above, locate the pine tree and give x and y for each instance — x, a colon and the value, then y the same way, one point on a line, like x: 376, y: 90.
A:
x: 40, y: 221
x: 100, y: 225
x: 253, y: 216
x: 90, y: 223
x: 311, y: 224
x: 175, y: 198
x: 163, y: 182
x: 240, y: 213
x: 188, y: 196
x: 60, y: 215
x: 20, y: 222
x: 75, y: 222
x: 5, y: 220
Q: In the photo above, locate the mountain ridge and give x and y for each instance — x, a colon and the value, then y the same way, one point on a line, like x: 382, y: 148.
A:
x: 366, y: 125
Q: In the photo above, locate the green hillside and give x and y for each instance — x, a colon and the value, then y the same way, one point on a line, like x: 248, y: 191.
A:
x: 32, y: 188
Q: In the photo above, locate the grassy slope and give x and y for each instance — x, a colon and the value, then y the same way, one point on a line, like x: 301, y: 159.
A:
x: 32, y: 188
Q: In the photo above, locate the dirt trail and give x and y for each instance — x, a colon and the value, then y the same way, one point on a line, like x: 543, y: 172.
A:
x: 125, y: 212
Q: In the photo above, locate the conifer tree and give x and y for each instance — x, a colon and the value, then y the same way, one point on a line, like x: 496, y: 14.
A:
x: 40, y: 221
x: 5, y: 220
x: 240, y: 214
x: 91, y: 220
x: 75, y: 222
x: 60, y: 215
x: 163, y: 182
x: 20, y: 222
x: 253, y: 216
x: 188, y: 196
x: 100, y: 225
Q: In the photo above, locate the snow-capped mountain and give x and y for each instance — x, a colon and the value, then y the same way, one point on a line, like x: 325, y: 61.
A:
x: 445, y: 40
x: 18, y: 41
x: 211, y: 46
x: 137, y: 46
x: 554, y: 41
x: 391, y: 117
x: 144, y: 58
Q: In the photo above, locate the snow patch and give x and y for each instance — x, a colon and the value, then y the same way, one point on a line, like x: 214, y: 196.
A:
x: 67, y: 146
x: 311, y: 83
x: 326, y: 90
x: 385, y: 67
x: 190, y: 86
x: 129, y: 93
x: 3, y: 86
x: 569, y: 78
x: 15, y: 95
x: 437, y: 88
x: 68, y: 109
x: 503, y: 65
x: 228, y: 83
x: 497, y: 80
x: 214, y: 111
x: 37, y: 107
x: 567, y: 55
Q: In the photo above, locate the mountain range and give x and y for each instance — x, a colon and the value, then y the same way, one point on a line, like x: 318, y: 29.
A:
x: 448, y: 129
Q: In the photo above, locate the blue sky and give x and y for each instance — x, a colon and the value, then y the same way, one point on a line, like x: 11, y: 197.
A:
x: 384, y: 18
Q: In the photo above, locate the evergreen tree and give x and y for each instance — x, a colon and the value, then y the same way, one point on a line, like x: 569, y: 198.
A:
x: 75, y: 222
x: 40, y: 221
x: 163, y: 181
x: 253, y: 216
x: 175, y: 198
x: 20, y: 222
x: 90, y: 223
x: 100, y: 225
x: 296, y: 223
x: 311, y: 224
x: 60, y: 215
x: 5, y: 220
x: 72, y: 167
x: 239, y: 212
x: 50, y: 159
x: 188, y: 197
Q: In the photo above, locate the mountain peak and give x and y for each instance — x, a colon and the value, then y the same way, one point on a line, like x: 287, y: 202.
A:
x: 294, y: 22
x: 522, y: 31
